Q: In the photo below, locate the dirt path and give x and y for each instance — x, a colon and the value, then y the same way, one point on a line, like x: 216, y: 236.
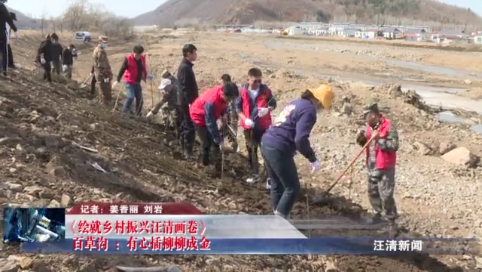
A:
x: 40, y: 124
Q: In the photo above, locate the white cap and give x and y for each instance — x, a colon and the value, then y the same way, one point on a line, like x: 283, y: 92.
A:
x: 164, y: 83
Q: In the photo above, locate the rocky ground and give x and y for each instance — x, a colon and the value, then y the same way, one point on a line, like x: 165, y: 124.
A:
x: 439, y: 172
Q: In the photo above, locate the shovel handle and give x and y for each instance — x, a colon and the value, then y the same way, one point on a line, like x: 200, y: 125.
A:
x: 350, y: 165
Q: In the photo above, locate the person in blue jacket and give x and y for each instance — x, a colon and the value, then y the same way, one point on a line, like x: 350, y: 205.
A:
x: 289, y: 133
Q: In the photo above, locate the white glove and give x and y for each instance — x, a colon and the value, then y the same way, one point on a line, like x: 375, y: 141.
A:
x: 315, y: 166
x: 60, y: 57
x: 42, y: 60
x: 106, y: 80
x: 263, y: 112
x: 16, y: 35
x: 249, y: 123
x: 115, y: 84
x: 64, y: 68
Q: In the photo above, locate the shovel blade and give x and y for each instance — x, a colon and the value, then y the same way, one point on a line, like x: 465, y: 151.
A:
x: 320, y: 200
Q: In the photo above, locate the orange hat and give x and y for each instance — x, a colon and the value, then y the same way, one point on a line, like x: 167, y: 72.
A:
x: 324, y: 94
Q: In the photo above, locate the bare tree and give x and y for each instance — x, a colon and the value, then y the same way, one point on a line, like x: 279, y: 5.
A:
x: 43, y: 21
x: 53, y: 23
x: 76, y: 15
x: 82, y: 15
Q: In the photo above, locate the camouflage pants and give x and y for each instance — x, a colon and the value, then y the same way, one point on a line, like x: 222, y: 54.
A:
x: 105, y: 94
x: 168, y: 117
x: 381, y: 185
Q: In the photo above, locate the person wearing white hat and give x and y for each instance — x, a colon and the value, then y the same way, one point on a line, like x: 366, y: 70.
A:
x: 168, y: 91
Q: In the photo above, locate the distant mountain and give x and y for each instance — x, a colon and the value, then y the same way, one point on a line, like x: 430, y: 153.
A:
x: 361, y: 11
x: 23, y: 21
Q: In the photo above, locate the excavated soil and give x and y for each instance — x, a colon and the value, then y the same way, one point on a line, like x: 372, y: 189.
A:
x: 40, y: 126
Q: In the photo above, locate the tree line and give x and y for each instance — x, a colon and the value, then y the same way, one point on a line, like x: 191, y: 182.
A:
x: 81, y: 15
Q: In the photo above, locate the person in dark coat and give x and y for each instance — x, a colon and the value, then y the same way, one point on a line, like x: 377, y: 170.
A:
x: 5, y: 19
x: 10, y: 63
x: 44, y: 55
x: 188, y: 91
x: 56, y: 55
x: 68, y: 56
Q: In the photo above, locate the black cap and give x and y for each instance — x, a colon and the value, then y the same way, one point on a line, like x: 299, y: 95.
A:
x: 231, y: 90
x: 13, y: 16
x: 371, y: 108
x: 138, y: 49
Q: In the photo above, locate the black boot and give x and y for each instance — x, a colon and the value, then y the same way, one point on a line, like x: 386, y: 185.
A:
x: 206, y: 157
x: 188, y: 152
x: 392, y: 229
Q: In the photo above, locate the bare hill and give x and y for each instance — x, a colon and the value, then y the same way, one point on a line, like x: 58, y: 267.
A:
x: 249, y: 11
x: 23, y: 21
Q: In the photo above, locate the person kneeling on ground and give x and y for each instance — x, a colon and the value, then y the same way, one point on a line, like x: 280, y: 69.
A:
x: 168, y: 91
x: 204, y: 112
x: 134, y: 70
x: 254, y: 106
x: 290, y: 133
x: 381, y: 161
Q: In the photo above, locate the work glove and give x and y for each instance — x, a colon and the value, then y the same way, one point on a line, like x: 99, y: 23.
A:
x: 249, y: 123
x: 315, y: 166
x: 263, y: 112
x: 64, y: 68
x: 15, y: 35
x: 361, y: 139
x: 150, y: 76
x: 107, y: 80
x: 115, y: 84
x: 42, y: 60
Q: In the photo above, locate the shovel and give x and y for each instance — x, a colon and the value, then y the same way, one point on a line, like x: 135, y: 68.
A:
x: 84, y: 84
x: 322, y: 199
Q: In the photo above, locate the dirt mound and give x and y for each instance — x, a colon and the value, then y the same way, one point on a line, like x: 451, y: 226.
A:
x: 41, y: 127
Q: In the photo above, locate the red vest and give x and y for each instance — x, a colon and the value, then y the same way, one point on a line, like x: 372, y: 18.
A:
x: 213, y: 96
x: 384, y: 159
x: 130, y: 74
x: 261, y: 102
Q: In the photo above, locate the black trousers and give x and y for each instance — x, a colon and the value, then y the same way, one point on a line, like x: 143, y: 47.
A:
x: 47, y: 71
x: 253, y: 141
x: 92, y: 85
x: 10, y: 62
x: 4, y: 56
x: 187, y: 131
x: 209, y: 146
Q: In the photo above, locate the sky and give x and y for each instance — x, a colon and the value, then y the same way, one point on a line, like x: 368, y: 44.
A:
x: 36, y: 8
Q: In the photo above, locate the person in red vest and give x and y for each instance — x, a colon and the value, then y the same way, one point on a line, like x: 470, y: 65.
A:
x: 204, y: 112
x: 134, y: 71
x: 381, y: 161
x: 254, y: 106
